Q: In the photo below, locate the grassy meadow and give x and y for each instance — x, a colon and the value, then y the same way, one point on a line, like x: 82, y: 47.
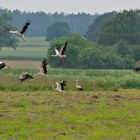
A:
x: 97, y: 115
x: 107, y: 109
x: 91, y: 80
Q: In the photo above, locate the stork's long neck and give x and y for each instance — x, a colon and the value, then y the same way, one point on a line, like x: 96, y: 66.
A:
x: 77, y: 84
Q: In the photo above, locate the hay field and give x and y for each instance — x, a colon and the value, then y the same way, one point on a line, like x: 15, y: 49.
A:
x: 96, y: 115
x: 107, y: 109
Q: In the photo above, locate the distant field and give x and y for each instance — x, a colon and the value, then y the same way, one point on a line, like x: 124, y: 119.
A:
x: 35, y: 48
x: 33, y: 42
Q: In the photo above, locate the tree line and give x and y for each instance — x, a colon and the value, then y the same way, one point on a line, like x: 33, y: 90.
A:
x: 85, y: 54
x: 41, y: 20
x: 110, y: 28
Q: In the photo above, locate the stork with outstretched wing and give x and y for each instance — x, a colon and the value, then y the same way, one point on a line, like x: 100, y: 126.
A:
x: 25, y: 77
x: 3, y: 65
x: 59, y: 51
x: 20, y: 32
x: 60, y: 86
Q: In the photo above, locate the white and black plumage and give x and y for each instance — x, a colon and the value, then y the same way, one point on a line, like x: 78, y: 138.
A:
x: 3, y: 65
x: 20, y: 32
x: 137, y: 67
x: 60, y: 86
x: 78, y: 87
x: 43, y: 67
x: 59, y: 51
x: 25, y: 77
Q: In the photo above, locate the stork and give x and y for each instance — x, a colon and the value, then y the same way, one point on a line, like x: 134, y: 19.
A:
x: 25, y: 77
x: 43, y: 67
x: 3, y: 65
x: 137, y: 67
x: 60, y: 86
x: 78, y: 87
x: 20, y: 32
x: 59, y: 51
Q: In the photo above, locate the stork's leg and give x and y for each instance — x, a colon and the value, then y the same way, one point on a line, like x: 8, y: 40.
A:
x: 62, y: 60
x: 23, y: 39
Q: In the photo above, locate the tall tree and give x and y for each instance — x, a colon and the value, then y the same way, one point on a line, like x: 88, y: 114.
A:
x: 95, y: 27
x: 5, y: 38
x: 57, y: 30
x: 124, y: 25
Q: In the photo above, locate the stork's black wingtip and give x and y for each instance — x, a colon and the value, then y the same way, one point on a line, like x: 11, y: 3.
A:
x: 29, y: 21
x: 66, y: 43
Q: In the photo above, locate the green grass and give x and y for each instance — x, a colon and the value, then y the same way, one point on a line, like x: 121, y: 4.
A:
x: 33, y: 42
x: 112, y: 80
x: 70, y: 116
x: 35, y: 48
x: 107, y: 109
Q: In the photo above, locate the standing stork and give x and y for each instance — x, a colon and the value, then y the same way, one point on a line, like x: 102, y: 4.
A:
x: 43, y: 67
x: 20, y: 32
x: 59, y: 51
x: 78, y: 87
x: 25, y: 77
x: 60, y: 86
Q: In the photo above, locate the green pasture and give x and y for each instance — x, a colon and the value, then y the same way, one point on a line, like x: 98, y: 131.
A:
x: 91, y: 80
x: 107, y: 109
x: 34, y: 48
x: 48, y: 115
x: 33, y: 42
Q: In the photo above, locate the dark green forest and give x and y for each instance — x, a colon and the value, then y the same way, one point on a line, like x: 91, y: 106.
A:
x: 110, y: 40
x: 6, y: 40
x: 41, y: 21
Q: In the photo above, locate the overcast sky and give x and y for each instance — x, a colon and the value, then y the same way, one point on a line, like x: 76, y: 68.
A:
x: 70, y: 6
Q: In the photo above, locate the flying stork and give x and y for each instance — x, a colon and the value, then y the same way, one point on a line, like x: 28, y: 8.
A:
x: 60, y: 50
x: 20, y: 32
x: 25, y: 77
x: 60, y: 86
x: 3, y: 65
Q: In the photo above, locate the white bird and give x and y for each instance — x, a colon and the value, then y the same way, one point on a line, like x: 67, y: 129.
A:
x: 20, y: 32
x: 60, y: 86
x: 41, y: 72
x: 25, y: 77
x: 3, y: 65
x: 43, y: 67
x: 78, y: 86
x: 59, y: 51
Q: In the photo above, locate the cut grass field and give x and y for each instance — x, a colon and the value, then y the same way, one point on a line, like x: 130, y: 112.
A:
x: 96, y: 115
x: 107, y: 109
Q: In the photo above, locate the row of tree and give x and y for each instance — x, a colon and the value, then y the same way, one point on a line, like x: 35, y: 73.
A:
x: 81, y: 53
x: 110, y: 28
x: 41, y: 21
